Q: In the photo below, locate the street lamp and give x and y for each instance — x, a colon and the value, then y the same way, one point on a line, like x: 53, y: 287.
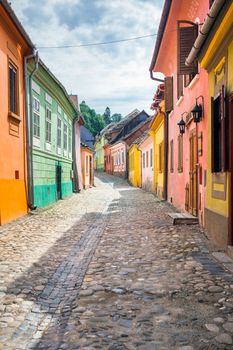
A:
x: 181, y: 124
x: 197, y: 111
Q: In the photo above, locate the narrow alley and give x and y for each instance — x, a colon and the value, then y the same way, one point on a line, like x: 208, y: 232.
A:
x: 106, y: 269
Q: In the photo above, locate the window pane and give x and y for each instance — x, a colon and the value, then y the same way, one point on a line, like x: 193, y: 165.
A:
x: 13, y: 88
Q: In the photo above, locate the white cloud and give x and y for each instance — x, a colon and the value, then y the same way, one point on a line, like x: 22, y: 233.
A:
x: 116, y: 75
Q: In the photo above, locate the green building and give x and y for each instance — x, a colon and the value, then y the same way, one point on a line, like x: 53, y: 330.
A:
x: 51, y: 136
x: 99, y: 152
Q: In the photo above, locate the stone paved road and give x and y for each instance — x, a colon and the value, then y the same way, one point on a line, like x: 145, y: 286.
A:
x: 105, y: 269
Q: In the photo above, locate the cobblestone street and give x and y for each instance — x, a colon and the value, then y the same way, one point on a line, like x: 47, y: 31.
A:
x: 106, y: 269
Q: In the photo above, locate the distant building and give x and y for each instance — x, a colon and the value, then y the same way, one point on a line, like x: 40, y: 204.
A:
x: 53, y: 116
x: 87, y: 155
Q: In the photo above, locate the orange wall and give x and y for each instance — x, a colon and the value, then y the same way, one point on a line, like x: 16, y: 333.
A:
x: 13, y: 200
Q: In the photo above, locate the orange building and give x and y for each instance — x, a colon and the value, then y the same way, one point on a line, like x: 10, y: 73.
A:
x: 15, y: 45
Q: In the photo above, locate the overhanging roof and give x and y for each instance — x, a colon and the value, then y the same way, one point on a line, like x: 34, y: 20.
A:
x: 162, y: 25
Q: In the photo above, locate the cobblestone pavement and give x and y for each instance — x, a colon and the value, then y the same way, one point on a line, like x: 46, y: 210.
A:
x: 105, y: 269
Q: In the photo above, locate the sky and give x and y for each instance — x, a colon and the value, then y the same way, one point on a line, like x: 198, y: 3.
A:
x: 115, y: 75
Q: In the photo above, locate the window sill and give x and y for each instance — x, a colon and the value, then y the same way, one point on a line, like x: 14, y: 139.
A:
x: 193, y: 82
x: 48, y: 146
x: 36, y: 141
x: 178, y: 102
x: 14, y: 116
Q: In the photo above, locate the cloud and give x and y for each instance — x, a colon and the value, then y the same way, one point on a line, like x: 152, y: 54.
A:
x: 116, y: 75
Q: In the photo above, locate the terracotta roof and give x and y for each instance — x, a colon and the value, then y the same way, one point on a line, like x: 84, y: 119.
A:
x: 148, y: 120
x: 141, y: 138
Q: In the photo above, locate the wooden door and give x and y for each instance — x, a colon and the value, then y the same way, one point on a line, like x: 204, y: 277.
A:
x: 230, y: 137
x: 58, y: 181
x: 193, y: 173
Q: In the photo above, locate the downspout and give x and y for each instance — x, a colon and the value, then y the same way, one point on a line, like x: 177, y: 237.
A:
x: 209, y: 22
x: 165, y: 184
x: 156, y: 79
x: 29, y: 125
x: 76, y: 179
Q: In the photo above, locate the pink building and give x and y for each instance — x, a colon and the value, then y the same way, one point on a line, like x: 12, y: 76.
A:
x: 184, y: 88
x: 147, y: 163
x: 118, y: 156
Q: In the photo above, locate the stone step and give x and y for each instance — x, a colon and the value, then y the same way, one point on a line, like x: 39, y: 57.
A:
x: 183, y: 219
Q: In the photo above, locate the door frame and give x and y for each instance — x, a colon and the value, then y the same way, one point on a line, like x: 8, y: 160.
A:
x: 193, y: 187
x: 58, y: 185
x: 230, y: 155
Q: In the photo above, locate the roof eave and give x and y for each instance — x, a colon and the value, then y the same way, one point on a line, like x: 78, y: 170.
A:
x: 162, y: 25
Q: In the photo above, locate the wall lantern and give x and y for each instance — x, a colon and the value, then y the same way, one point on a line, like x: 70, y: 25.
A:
x: 197, y: 111
x: 181, y: 124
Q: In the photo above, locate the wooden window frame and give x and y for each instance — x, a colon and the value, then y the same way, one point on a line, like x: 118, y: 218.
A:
x: 218, y: 134
x: 59, y: 132
x: 15, y: 67
x: 180, y: 86
x: 180, y: 154
x: 171, y: 156
x: 169, y: 94
x: 151, y: 157
x: 122, y: 157
x: 87, y: 167
x: 48, y: 126
x: 161, y: 157
x: 143, y: 160
x: 65, y: 137
x: 69, y: 140
x: 36, y: 114
x: 187, y: 33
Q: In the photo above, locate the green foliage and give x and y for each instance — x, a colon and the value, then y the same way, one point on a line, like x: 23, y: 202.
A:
x: 116, y: 117
x: 96, y: 122
x: 107, y: 116
x: 93, y: 121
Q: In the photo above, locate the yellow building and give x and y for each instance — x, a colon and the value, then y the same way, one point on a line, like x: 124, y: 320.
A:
x: 135, y: 165
x: 216, y: 56
x: 157, y: 132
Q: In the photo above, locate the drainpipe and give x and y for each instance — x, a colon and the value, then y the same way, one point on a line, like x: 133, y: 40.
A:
x: 156, y: 79
x: 75, y: 169
x: 209, y: 22
x: 165, y: 184
x: 29, y: 125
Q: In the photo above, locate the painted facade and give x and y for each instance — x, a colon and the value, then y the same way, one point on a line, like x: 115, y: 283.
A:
x: 216, y: 57
x: 134, y: 175
x: 108, y: 164
x: 159, y: 143
x: 87, y: 166
x: 118, y: 156
x: 99, y: 152
x: 187, y: 161
x: 52, y: 137
x: 147, y: 164
x: 14, y: 46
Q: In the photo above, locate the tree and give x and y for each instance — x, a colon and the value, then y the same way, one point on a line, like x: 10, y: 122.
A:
x: 93, y: 122
x: 116, y: 117
x: 107, y: 116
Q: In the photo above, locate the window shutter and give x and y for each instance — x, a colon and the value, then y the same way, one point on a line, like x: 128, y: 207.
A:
x: 212, y: 137
x: 223, y: 130
x: 186, y: 36
x: 168, y: 94
x: 171, y: 156
x: 179, y: 86
x: 180, y: 153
